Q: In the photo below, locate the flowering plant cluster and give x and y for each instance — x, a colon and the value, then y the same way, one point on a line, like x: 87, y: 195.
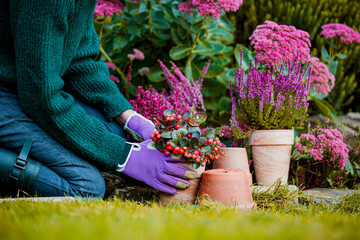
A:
x: 212, y: 8
x: 338, y: 30
x: 181, y: 136
x: 265, y: 101
x: 108, y: 8
x: 276, y: 44
x: 183, y: 95
x: 321, y: 80
x: 324, y: 145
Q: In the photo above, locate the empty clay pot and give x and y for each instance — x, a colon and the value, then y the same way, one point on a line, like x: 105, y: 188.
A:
x: 235, y: 158
x: 229, y: 187
x: 271, y: 151
x: 188, y: 195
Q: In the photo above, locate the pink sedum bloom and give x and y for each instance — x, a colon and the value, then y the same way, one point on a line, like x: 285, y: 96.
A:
x: 321, y: 80
x: 211, y: 8
x: 139, y: 55
x: 143, y: 71
x: 108, y: 8
x: 276, y: 44
x: 344, y: 32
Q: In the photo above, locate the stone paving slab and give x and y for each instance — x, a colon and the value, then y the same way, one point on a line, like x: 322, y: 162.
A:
x: 328, y: 195
x: 39, y: 199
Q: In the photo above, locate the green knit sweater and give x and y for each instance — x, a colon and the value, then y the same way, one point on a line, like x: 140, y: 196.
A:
x: 46, y: 53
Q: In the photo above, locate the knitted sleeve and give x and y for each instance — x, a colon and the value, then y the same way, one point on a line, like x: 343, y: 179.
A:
x: 90, y: 80
x: 38, y: 29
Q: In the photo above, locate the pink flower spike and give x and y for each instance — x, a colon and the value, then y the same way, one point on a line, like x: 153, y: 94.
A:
x: 139, y: 54
x: 110, y: 65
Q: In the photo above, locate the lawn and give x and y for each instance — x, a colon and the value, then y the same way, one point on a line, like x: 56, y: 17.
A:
x: 116, y: 219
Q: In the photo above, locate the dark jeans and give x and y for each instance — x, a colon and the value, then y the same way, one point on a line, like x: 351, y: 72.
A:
x: 62, y: 172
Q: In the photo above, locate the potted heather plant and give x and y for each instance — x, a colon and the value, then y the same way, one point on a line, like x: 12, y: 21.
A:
x: 181, y: 136
x: 272, y: 98
x: 271, y: 105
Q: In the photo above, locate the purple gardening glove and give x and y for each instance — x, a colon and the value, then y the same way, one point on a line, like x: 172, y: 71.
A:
x: 157, y: 170
x: 139, y: 127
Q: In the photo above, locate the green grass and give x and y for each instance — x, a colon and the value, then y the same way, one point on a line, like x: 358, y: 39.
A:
x: 116, y: 219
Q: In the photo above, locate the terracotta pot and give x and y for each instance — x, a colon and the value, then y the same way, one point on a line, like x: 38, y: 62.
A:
x: 229, y: 187
x: 271, y: 150
x: 235, y: 158
x: 188, y: 195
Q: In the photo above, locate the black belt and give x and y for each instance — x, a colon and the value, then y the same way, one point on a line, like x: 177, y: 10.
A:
x: 20, y: 162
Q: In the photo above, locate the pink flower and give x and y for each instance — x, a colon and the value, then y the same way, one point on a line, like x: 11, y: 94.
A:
x: 344, y: 32
x: 143, y: 71
x: 128, y: 75
x: 107, y: 8
x: 110, y: 65
x: 276, y: 44
x: 212, y: 8
x: 115, y: 79
x: 137, y: 55
x: 322, y: 80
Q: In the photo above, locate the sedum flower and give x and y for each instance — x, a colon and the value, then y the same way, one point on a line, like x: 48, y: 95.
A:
x: 275, y: 44
x: 321, y: 80
x: 344, y: 32
x: 114, y: 79
x: 139, y: 55
x: 108, y: 8
x: 212, y: 8
x: 143, y: 71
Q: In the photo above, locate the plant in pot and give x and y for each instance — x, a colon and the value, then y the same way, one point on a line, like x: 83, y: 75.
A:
x: 182, y: 137
x: 271, y: 104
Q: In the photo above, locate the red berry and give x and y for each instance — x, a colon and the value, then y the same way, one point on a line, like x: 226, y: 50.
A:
x: 154, y: 139
x: 202, y: 154
x: 158, y: 136
x: 161, y: 150
x: 176, y: 149
x: 177, y: 126
x: 178, y: 117
x: 189, y: 135
x: 171, y: 119
x: 167, y: 143
x: 181, y: 151
x: 175, y: 152
x: 210, y: 141
x: 185, y: 148
x: 196, y: 152
x: 203, y: 164
x: 197, y: 160
x: 173, y: 115
x: 152, y: 135
x: 167, y: 153
x: 168, y: 114
x: 169, y: 147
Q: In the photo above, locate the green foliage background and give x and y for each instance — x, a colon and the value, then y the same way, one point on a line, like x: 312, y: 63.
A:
x: 159, y: 30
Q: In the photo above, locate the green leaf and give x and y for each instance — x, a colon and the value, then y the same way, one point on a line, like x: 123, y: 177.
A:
x: 209, y: 133
x: 184, y: 142
x: 162, y: 34
x: 155, y: 73
x: 196, y: 165
x: 179, y: 52
x: 188, y: 70
x: 174, y: 142
x: 194, y: 142
x: 333, y: 67
x: 214, y: 70
x: 175, y: 36
x: 193, y: 129
x: 158, y: 145
x: 341, y: 55
x: 166, y: 134
x: 120, y: 42
x: 206, y: 150
x: 196, y: 134
x: 325, y: 108
x: 207, y: 48
x: 202, y: 141
x: 176, y: 135
x: 247, y: 56
x: 226, y: 24
x: 349, y: 167
x: 325, y: 55
x: 183, y: 131
x: 225, y: 103
x: 217, y: 130
x: 186, y: 115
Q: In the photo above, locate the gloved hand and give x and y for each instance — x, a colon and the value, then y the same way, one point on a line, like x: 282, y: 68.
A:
x: 157, y: 170
x: 139, y: 127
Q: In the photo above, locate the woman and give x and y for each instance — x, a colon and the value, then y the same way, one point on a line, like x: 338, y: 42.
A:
x: 52, y: 92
